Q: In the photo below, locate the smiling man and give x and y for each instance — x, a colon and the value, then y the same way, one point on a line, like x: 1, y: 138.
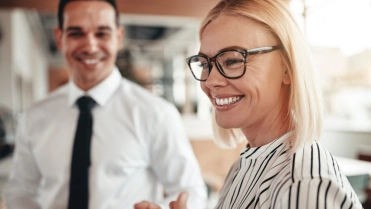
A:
x: 100, y: 141
x: 89, y: 40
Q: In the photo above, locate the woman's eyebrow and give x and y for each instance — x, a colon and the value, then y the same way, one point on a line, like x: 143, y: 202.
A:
x: 225, y: 49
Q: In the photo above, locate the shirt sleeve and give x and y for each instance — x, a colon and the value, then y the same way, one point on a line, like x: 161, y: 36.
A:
x: 174, y: 163
x: 318, y: 193
x: 21, y: 189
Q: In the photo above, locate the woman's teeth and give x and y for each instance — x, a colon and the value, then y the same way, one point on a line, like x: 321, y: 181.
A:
x: 227, y: 101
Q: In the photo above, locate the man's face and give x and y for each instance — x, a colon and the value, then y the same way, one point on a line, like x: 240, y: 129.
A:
x: 89, y: 41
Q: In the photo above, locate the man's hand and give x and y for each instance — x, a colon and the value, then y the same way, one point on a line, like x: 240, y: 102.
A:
x: 146, y: 205
x: 181, y: 202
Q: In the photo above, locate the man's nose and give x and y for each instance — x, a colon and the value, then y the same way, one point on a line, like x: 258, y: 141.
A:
x: 91, y: 44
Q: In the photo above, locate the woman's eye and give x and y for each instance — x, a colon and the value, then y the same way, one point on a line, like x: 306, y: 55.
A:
x: 204, y: 65
x: 232, y: 62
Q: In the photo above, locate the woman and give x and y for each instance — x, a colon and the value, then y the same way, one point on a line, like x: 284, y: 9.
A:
x: 256, y: 70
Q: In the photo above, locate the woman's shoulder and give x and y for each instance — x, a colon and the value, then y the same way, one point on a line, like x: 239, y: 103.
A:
x: 312, y: 161
x: 314, y: 164
x: 314, y: 178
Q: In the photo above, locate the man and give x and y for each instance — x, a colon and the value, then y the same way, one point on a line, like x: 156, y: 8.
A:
x: 100, y: 141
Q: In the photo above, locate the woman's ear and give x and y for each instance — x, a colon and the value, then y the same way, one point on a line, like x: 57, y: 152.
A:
x: 286, y: 73
x: 286, y: 78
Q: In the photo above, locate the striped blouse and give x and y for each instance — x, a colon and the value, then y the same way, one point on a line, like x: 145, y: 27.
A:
x: 268, y: 177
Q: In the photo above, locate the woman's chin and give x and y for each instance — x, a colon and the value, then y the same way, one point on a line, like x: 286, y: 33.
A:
x: 225, y: 124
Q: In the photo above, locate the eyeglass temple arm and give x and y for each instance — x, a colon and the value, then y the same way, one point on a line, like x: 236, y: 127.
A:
x: 261, y: 50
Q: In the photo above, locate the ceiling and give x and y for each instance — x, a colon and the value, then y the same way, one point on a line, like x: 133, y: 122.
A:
x: 188, y: 8
x: 146, y: 36
x: 152, y: 27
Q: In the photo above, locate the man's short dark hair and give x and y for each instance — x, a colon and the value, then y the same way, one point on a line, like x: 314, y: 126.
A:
x: 63, y: 3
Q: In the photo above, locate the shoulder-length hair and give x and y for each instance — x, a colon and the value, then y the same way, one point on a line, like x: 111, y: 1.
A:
x: 306, y: 106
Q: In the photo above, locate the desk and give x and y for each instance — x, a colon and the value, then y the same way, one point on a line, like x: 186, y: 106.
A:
x: 358, y: 173
x: 353, y: 167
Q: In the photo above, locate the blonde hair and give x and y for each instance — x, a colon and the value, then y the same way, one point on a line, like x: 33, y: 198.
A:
x: 306, y: 106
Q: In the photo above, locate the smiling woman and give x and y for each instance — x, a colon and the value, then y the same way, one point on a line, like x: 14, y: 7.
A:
x: 272, y: 102
x: 279, y: 111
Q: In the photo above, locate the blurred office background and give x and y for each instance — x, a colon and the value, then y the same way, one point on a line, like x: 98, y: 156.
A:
x: 159, y: 35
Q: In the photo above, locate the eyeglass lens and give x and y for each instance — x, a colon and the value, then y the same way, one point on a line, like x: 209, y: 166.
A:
x: 231, y: 63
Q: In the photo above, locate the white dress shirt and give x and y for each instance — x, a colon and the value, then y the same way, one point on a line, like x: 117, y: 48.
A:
x: 139, y: 150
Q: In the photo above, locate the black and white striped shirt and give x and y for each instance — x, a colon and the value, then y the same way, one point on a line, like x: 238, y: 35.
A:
x: 268, y: 177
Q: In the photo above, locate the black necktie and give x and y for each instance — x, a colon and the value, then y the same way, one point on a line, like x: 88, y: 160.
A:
x: 79, y: 181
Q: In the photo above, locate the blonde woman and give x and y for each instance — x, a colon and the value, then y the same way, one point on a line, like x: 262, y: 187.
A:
x: 256, y: 69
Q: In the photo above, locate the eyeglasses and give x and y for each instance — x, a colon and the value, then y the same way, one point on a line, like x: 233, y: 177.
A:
x: 230, y: 63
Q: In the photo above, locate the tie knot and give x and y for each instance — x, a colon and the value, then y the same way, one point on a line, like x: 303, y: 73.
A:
x: 85, y: 103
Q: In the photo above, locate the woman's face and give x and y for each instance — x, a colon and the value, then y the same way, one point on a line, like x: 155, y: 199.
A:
x: 260, y: 97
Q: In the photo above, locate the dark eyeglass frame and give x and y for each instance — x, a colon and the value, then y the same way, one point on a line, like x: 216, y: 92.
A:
x: 260, y: 50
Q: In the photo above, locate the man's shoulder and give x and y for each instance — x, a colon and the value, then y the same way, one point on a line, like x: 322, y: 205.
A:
x: 55, y: 98
x: 140, y: 95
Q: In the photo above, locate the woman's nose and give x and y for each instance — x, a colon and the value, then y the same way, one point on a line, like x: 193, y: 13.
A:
x: 215, y: 79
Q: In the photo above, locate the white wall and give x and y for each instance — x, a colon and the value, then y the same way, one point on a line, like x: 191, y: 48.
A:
x: 5, y: 60
x: 347, y: 143
x: 23, y: 62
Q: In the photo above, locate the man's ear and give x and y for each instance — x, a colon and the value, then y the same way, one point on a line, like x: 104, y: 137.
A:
x: 120, y: 37
x: 58, y: 37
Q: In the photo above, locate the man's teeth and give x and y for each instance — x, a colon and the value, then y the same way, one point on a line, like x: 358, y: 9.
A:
x: 91, y: 62
x: 227, y: 101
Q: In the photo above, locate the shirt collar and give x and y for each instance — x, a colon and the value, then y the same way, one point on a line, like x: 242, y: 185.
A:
x: 101, y: 93
x: 262, y: 151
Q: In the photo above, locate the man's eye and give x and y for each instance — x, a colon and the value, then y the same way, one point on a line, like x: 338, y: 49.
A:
x: 75, y: 34
x: 102, y: 35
